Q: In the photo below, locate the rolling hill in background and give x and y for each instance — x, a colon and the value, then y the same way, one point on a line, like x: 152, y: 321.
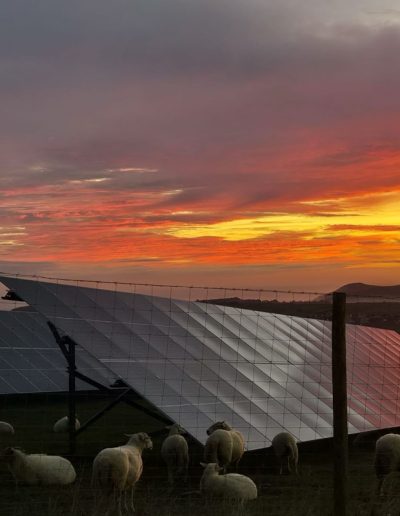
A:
x: 362, y: 289
x: 369, y: 305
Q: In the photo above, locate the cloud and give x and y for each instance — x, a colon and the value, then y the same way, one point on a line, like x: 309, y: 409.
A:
x: 127, y: 124
x: 136, y: 170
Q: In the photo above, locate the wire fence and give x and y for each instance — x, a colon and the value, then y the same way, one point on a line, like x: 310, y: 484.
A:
x: 147, y: 355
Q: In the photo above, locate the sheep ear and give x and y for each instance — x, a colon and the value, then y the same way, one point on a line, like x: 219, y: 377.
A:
x: 203, y: 464
x: 168, y: 427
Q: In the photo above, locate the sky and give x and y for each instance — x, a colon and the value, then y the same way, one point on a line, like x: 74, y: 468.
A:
x: 241, y: 143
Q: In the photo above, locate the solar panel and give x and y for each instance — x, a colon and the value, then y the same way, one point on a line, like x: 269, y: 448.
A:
x: 31, y: 361
x: 200, y: 363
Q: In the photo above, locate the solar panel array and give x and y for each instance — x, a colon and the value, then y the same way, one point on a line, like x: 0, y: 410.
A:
x: 31, y: 361
x: 200, y: 363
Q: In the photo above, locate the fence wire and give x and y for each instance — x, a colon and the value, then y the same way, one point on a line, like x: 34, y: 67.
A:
x: 260, y: 360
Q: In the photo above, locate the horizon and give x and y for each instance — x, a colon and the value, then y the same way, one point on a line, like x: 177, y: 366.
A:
x: 220, y: 143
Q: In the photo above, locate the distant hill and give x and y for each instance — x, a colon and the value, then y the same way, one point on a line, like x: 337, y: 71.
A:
x: 368, y: 293
x: 369, y: 305
x: 362, y: 289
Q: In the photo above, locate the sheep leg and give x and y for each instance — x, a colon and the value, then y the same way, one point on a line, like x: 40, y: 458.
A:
x: 170, y: 476
x: 117, y: 501
x: 240, y: 507
x: 132, y: 505
x: 124, y: 498
x: 294, y: 466
x: 379, y: 486
x: 109, y: 503
x: 95, y: 504
x: 99, y: 505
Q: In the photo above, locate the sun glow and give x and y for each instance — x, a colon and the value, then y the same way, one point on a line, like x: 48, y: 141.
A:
x: 355, y: 216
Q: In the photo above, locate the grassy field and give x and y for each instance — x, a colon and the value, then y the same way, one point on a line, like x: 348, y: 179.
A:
x: 310, y: 493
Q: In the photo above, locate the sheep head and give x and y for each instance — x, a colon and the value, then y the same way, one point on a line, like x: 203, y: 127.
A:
x: 176, y: 428
x: 8, y: 454
x: 141, y: 439
x: 219, y: 425
x: 211, y: 466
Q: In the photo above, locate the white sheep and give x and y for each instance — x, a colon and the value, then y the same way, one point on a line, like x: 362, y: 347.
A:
x: 232, y: 487
x: 62, y: 425
x: 116, y: 471
x: 285, y: 449
x: 175, y: 452
x: 224, y: 445
x: 387, y: 456
x: 38, y: 468
x: 6, y: 428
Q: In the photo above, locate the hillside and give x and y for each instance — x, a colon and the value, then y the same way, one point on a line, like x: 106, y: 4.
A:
x: 365, y: 290
x: 380, y: 314
x: 357, y: 292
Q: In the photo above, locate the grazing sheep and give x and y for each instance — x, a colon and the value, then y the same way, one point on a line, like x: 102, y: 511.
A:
x: 224, y: 445
x: 233, y: 487
x: 387, y: 456
x: 6, y: 428
x: 62, y: 425
x: 175, y: 452
x: 38, y: 469
x: 285, y: 449
x: 116, y: 471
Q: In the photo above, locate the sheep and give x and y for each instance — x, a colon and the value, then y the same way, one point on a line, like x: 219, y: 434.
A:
x: 62, y: 425
x: 6, y: 428
x: 224, y: 445
x: 387, y: 456
x: 285, y: 449
x: 38, y: 468
x: 116, y: 470
x: 175, y: 452
x: 230, y: 487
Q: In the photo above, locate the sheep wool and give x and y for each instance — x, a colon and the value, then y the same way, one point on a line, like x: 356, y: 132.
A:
x: 225, y: 446
x: 175, y: 452
x: 231, y: 486
x: 285, y: 449
x: 38, y: 469
x: 6, y: 428
x: 116, y: 470
x: 387, y: 456
x: 62, y: 425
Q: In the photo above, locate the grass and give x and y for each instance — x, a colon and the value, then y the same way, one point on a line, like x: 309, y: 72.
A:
x: 308, y: 494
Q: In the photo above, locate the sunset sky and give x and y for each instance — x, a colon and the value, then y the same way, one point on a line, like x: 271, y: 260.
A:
x: 239, y: 143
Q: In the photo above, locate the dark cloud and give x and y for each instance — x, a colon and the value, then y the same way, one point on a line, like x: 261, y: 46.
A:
x: 150, y: 34
x: 239, y: 106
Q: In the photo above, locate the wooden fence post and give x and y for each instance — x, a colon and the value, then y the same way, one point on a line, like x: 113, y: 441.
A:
x: 339, y: 389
